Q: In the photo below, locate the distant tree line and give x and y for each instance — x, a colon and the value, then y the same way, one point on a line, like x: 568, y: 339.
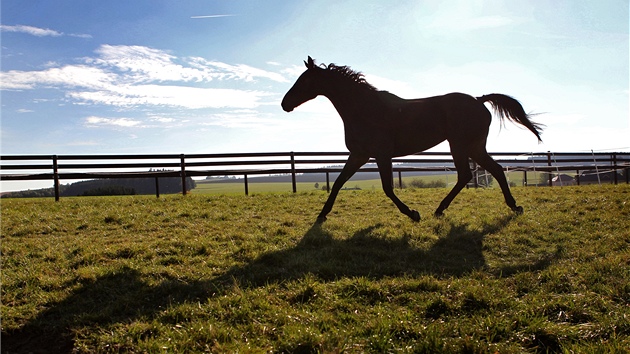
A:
x: 106, y: 186
x: 109, y: 190
x: 36, y: 193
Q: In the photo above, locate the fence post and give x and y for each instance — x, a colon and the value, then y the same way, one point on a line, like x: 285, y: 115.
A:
x: 599, y: 180
x: 56, y: 177
x: 550, y: 177
x: 328, y: 182
x: 577, y: 177
x: 525, y: 178
x: 157, y: 187
x: 400, y: 179
x: 246, y: 186
x: 534, y: 167
x: 614, y: 161
x: 183, y: 173
x: 293, y: 181
x: 475, y: 175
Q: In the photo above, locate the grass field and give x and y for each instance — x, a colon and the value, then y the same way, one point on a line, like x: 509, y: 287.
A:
x: 235, y: 273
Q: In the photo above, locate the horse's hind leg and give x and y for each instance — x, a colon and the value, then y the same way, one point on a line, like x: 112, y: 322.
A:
x: 463, y: 177
x: 487, y: 162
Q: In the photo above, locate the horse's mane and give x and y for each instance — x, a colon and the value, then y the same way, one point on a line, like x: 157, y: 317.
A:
x: 347, y: 73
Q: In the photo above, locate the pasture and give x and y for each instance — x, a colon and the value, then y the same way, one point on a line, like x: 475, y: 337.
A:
x: 235, y: 273
x: 276, y: 187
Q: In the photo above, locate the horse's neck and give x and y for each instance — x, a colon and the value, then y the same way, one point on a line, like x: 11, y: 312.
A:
x: 355, y: 103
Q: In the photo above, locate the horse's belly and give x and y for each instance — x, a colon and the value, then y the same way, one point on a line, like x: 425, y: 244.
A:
x: 398, y: 134
x: 417, y: 136
x: 415, y: 147
x: 392, y: 144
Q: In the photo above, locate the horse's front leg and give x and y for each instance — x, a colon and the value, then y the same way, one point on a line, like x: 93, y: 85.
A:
x: 385, y: 170
x: 353, y: 164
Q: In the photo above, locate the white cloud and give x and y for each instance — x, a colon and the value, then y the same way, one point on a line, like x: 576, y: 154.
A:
x: 71, y: 75
x: 144, y: 64
x: 135, y: 123
x: 163, y: 120
x: 294, y: 70
x: 127, y: 76
x: 34, y: 31
x: 175, y: 96
x: 40, y: 32
x: 239, y: 71
x: 94, y: 121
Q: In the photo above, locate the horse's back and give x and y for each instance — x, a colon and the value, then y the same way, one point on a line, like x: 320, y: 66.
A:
x: 451, y: 108
x: 454, y: 116
x: 407, y: 126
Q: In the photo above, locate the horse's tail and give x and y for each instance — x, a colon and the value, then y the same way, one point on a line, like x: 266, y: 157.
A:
x: 508, y: 107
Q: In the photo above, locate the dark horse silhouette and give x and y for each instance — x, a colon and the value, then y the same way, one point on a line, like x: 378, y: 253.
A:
x: 381, y: 125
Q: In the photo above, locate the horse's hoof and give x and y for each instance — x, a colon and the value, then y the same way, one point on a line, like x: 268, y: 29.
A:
x: 320, y: 220
x: 415, y: 216
x: 518, y: 210
x: 438, y: 214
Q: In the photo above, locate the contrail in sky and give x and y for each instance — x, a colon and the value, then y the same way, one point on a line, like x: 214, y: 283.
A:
x: 211, y: 16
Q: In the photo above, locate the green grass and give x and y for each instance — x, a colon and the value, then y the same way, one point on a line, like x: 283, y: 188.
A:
x: 256, y: 187
x: 276, y: 187
x: 235, y: 273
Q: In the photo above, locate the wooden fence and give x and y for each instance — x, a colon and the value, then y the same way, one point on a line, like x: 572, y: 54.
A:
x: 82, y: 167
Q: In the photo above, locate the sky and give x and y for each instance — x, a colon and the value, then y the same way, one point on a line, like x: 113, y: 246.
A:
x: 207, y: 76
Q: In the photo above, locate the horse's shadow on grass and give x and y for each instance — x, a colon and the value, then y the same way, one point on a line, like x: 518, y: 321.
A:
x: 456, y: 253
x: 124, y: 296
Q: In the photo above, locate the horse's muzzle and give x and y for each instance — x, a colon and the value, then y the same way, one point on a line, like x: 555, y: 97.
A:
x: 286, y: 107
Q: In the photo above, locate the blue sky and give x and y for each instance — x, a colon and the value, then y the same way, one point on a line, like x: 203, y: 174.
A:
x: 94, y: 77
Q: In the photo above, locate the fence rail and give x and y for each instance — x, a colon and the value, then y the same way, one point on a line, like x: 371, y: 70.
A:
x: 79, y: 167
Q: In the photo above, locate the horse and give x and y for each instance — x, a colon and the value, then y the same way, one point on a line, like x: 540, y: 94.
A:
x: 381, y: 125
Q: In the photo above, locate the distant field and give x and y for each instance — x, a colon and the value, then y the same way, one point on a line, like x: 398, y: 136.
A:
x: 252, y: 274
x: 205, y: 187
x: 255, y: 187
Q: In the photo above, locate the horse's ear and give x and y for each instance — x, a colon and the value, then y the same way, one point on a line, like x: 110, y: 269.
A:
x: 310, y: 64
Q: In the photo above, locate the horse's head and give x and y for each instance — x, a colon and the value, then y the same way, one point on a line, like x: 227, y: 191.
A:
x: 305, y: 88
